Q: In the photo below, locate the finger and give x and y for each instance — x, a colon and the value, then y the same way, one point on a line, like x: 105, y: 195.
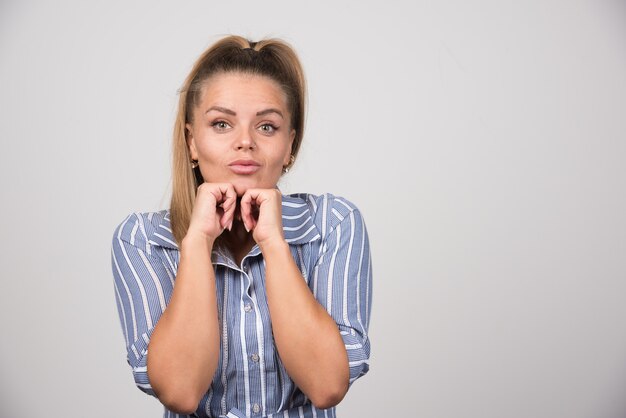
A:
x: 247, y: 201
x: 225, y: 196
x: 205, y: 190
x: 219, y: 193
x: 229, y: 206
x: 244, y: 210
x: 230, y: 195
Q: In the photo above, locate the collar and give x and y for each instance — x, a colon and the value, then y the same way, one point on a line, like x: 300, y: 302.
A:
x: 298, y: 225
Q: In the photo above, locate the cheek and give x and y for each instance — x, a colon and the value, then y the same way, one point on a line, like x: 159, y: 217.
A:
x: 210, y: 150
x: 279, y: 158
x: 285, y: 151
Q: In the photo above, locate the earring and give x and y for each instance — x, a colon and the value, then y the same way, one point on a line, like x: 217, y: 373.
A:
x: 286, y: 168
x: 196, y: 172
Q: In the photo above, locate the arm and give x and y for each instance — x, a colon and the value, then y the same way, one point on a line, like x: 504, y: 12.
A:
x: 306, y: 336
x: 184, y: 348
x: 322, y: 342
x: 183, y: 336
x: 184, y: 344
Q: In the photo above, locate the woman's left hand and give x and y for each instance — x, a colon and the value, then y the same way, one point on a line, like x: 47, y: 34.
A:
x: 261, y: 213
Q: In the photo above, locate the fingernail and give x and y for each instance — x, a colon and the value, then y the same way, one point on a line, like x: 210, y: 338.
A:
x: 230, y: 225
x: 246, y: 226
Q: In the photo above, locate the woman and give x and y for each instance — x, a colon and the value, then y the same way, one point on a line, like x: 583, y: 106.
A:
x: 240, y: 301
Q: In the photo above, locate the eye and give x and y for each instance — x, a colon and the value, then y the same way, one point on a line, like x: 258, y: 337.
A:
x: 268, y: 128
x: 220, y: 125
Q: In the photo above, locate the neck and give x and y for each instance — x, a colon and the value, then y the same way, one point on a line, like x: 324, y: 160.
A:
x: 238, y: 241
x: 238, y: 235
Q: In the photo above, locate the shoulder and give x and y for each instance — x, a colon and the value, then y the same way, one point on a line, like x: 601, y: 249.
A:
x: 139, y: 228
x: 328, y: 211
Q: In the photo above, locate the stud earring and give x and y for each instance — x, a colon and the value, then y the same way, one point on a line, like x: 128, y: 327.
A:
x: 286, y: 168
x: 196, y: 172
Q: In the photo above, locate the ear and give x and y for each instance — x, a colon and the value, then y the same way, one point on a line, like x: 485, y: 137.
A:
x: 287, y: 159
x: 191, y: 142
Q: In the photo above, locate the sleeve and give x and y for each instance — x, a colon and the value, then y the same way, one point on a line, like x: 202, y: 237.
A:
x: 142, y: 286
x: 342, y: 283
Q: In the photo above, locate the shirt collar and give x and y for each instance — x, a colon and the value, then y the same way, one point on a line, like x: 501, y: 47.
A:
x: 298, y: 225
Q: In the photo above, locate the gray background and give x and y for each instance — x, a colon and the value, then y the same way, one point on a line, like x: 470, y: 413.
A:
x: 483, y: 141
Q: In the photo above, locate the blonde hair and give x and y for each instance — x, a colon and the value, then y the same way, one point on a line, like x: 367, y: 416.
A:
x: 272, y: 58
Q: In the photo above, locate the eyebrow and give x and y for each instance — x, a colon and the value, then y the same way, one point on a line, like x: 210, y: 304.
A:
x: 221, y: 109
x: 233, y: 113
x: 271, y: 110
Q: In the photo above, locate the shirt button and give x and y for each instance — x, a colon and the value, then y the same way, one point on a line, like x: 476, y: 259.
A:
x: 255, y: 357
x: 256, y: 408
x: 247, y: 307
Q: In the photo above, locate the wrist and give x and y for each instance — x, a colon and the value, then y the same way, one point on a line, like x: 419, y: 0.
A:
x: 197, y: 239
x: 273, y: 245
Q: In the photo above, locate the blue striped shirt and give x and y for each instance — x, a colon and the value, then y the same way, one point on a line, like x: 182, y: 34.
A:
x: 329, y: 243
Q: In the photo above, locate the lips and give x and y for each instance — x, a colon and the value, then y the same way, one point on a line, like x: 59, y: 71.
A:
x: 244, y: 167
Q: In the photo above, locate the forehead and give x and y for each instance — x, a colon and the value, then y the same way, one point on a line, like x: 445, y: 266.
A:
x: 242, y: 90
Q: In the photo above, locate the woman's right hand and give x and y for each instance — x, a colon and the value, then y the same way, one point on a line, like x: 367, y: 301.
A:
x: 180, y: 374
x: 213, y: 210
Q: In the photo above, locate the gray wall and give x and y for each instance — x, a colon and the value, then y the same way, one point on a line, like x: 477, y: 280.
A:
x: 483, y: 140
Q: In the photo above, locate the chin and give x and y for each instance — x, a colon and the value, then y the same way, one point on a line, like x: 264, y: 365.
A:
x: 241, y: 189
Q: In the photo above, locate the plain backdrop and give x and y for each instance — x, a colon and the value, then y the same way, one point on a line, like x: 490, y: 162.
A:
x: 484, y: 142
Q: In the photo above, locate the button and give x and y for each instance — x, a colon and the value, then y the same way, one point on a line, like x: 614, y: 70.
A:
x: 247, y: 307
x: 255, y: 357
x: 256, y: 408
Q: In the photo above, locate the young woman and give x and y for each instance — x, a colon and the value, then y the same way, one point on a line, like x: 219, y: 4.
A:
x: 238, y: 300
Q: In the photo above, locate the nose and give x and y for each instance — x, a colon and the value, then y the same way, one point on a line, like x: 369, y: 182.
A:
x: 245, y: 141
